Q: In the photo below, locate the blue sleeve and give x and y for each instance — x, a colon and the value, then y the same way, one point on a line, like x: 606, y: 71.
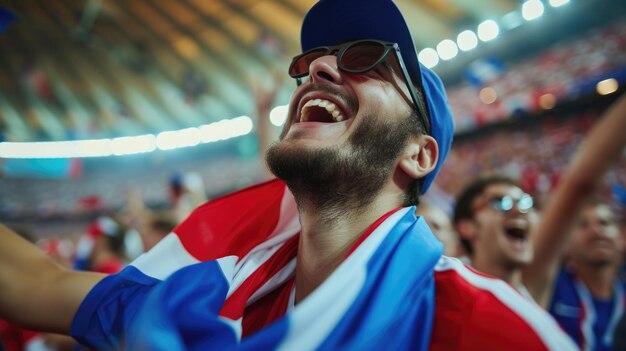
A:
x: 107, y: 312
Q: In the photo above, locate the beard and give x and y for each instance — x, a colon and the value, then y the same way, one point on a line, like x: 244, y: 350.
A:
x: 338, y: 179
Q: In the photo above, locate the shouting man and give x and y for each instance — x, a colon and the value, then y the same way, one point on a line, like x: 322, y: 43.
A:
x: 331, y: 256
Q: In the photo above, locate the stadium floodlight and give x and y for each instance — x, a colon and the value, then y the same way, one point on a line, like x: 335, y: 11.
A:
x: 447, y: 49
x: 488, y: 30
x: 532, y: 9
x: 557, y: 3
x: 467, y: 40
x: 278, y: 115
x: 428, y: 57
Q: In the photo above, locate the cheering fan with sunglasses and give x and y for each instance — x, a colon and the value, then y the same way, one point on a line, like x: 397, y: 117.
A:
x: 504, y: 238
x: 495, y: 220
x: 328, y: 256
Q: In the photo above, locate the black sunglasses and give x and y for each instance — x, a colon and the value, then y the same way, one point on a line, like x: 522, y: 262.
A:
x: 505, y: 203
x: 359, y: 57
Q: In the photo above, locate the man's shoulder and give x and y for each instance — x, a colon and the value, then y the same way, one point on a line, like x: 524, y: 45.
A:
x: 455, y: 280
x: 478, y: 311
x: 467, y: 291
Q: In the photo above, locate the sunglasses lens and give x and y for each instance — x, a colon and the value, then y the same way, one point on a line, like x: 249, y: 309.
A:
x: 362, y: 56
x: 503, y: 204
x: 506, y: 203
x: 300, y: 64
x: 525, y: 203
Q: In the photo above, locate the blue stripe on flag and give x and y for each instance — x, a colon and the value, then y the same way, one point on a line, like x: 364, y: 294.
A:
x: 181, y: 313
x: 395, y: 308
x: 103, y: 327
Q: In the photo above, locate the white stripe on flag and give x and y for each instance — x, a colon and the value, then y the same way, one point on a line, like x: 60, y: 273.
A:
x: 165, y: 258
x: 275, y: 281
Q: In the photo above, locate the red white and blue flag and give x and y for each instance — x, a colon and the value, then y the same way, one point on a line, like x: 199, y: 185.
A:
x: 224, y: 279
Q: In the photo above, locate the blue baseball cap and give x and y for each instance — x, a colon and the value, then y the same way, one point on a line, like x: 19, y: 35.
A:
x: 332, y: 22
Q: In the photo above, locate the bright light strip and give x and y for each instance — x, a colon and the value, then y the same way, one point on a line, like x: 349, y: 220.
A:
x: 241, y: 126
x: 557, y: 3
x: 213, y: 132
x: 56, y: 149
x: 467, y: 40
x: 428, y: 57
x: 488, y: 30
x: 178, y: 138
x: 225, y: 129
x: 447, y: 49
x: 278, y: 115
x: 222, y: 130
x: 133, y: 145
x: 532, y: 9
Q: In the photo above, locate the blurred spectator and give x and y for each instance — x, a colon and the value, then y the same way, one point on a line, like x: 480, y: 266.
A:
x: 101, y: 248
x: 149, y: 226
x: 439, y: 222
x: 588, y: 298
x: 566, y: 71
x: 187, y: 191
x: 537, y: 155
x: 155, y: 229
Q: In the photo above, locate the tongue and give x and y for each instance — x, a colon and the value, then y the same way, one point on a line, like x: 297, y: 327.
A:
x: 319, y: 114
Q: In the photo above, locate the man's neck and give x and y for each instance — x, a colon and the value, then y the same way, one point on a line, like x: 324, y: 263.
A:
x: 598, y: 279
x: 509, y: 273
x: 326, y: 239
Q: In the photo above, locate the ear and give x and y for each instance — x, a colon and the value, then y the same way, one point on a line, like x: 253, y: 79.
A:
x: 420, y: 156
x: 467, y: 229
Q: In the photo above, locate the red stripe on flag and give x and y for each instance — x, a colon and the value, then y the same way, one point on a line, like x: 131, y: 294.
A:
x: 470, y: 318
x: 267, y: 309
x: 233, y: 224
x: 235, y: 304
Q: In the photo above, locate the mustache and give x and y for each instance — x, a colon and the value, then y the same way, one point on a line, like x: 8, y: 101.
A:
x: 331, y: 90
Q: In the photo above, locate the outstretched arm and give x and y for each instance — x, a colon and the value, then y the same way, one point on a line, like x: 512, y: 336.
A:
x: 35, y: 292
x: 264, y: 99
x: 602, y: 148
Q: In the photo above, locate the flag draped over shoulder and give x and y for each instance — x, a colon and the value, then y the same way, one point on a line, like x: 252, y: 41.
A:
x: 204, y: 286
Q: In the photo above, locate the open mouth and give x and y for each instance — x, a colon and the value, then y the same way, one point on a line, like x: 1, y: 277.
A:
x: 517, y: 231
x: 321, y: 110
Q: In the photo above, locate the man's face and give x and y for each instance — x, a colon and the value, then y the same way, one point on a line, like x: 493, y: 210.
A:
x: 597, y: 238
x: 503, y: 236
x: 344, y: 132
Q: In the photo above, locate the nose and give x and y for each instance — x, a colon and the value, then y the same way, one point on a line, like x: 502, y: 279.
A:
x: 517, y: 209
x: 325, y: 69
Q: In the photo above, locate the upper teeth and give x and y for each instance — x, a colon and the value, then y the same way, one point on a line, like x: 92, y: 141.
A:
x: 330, y: 107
